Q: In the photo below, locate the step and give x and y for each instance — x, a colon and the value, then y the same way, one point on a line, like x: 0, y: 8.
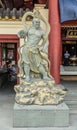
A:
x: 72, y: 108
x: 71, y: 102
x: 71, y: 99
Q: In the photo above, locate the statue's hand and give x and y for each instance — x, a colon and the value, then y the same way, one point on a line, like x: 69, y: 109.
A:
x: 21, y: 34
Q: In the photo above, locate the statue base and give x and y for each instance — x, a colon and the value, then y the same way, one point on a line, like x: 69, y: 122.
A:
x: 39, y: 92
x: 41, y: 116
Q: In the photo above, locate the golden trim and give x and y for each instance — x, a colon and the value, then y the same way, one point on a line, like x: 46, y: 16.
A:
x: 67, y: 26
x: 71, y: 34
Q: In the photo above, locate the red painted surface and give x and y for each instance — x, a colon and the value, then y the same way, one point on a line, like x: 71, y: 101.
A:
x: 0, y: 54
x: 55, y: 40
x: 8, y: 38
x: 41, y: 1
x: 69, y: 23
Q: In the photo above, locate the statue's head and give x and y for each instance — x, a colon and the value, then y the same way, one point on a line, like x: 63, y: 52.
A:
x: 36, y: 23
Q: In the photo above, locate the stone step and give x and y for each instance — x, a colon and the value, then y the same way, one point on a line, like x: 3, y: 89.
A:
x: 71, y: 99
x: 71, y: 96
x: 71, y: 102
x: 73, y: 111
x: 71, y: 93
x: 72, y: 106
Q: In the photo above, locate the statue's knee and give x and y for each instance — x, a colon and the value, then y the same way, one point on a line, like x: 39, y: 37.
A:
x: 26, y: 66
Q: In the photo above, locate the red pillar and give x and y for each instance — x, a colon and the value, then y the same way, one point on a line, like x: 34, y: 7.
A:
x: 0, y: 54
x: 55, y: 40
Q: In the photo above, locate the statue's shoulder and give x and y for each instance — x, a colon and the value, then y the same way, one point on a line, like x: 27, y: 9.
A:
x: 42, y: 31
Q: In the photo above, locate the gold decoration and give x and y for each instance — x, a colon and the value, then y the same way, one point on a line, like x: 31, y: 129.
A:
x: 13, y: 18
x: 6, y: 18
x: 39, y: 92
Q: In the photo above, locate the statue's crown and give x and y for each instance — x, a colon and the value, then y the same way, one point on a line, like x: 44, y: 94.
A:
x: 36, y: 14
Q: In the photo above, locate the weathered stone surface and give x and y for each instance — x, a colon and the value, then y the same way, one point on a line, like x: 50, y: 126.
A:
x: 40, y: 116
x: 37, y: 85
x: 39, y: 92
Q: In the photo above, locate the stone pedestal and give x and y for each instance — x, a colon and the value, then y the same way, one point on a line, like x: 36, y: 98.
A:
x: 40, y: 116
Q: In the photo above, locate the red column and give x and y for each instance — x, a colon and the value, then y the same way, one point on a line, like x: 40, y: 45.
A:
x: 0, y: 54
x: 55, y: 40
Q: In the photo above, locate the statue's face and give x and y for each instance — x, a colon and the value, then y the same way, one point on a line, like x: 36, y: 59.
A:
x: 36, y: 23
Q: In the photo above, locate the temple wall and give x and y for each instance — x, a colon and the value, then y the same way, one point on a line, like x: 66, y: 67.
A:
x: 10, y: 27
x: 13, y: 27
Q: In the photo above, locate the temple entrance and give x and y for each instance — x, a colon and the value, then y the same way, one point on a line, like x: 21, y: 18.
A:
x: 69, y: 46
x: 8, y: 59
x: 8, y: 53
x: 69, y: 52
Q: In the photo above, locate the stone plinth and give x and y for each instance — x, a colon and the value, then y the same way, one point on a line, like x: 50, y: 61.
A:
x: 40, y: 116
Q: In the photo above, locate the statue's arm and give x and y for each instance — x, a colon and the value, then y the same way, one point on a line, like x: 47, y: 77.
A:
x: 44, y: 38
x: 44, y: 44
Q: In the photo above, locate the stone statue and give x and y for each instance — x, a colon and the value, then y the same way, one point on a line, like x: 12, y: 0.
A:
x: 34, y: 57
x: 36, y: 86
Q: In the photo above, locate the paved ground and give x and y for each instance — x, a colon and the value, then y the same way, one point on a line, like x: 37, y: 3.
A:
x: 6, y: 109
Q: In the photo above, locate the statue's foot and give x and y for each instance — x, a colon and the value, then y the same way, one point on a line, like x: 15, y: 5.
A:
x: 27, y: 78
x: 46, y: 78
